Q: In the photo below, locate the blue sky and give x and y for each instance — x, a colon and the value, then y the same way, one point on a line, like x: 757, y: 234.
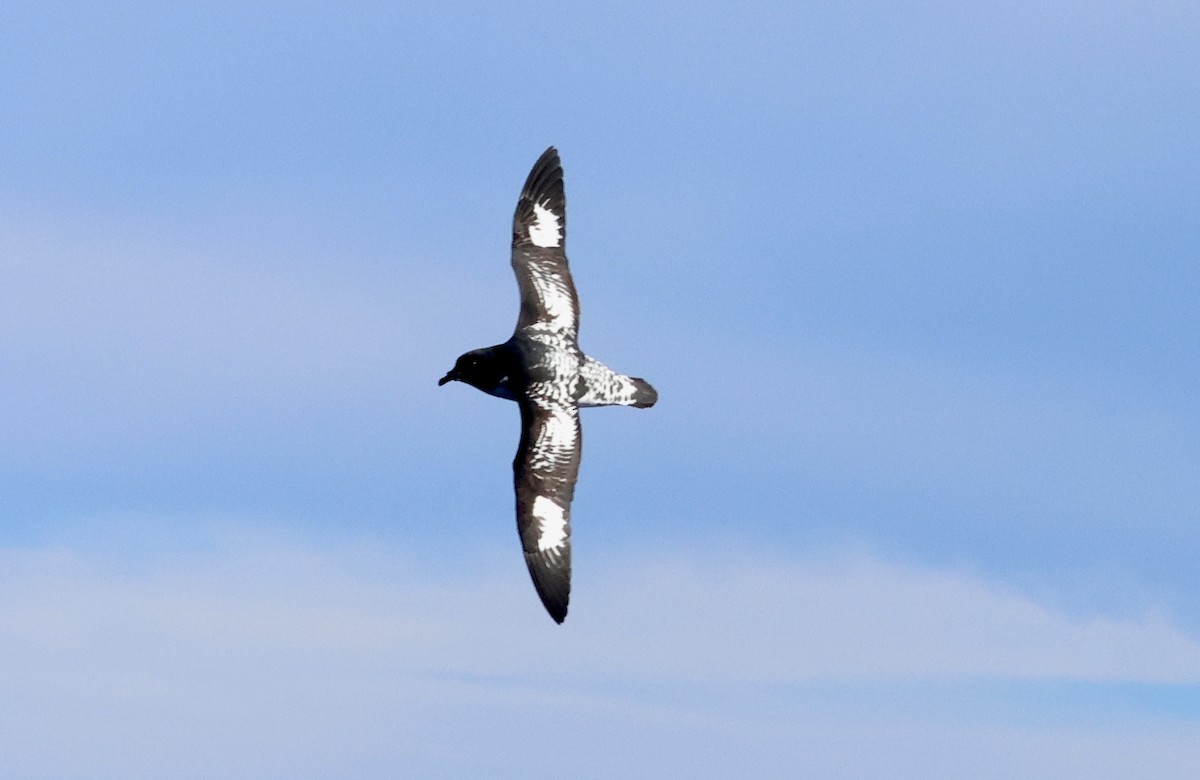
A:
x: 916, y: 283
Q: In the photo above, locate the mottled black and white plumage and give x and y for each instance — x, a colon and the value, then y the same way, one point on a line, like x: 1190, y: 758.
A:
x: 542, y: 368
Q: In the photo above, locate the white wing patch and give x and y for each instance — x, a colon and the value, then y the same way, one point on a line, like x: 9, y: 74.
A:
x: 546, y: 229
x: 556, y: 301
x: 552, y: 523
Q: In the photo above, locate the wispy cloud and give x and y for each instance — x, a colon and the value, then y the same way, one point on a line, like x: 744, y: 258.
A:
x: 266, y: 658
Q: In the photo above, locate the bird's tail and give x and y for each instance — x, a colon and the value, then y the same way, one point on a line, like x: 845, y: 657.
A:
x: 644, y: 396
x: 604, y: 387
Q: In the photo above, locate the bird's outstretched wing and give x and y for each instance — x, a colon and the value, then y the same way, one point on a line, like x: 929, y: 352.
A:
x: 544, y: 473
x: 539, y: 255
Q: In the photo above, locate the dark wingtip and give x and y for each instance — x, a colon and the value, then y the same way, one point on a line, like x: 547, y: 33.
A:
x: 559, y: 614
x: 551, y: 575
x: 545, y: 179
x: 543, y: 185
x: 555, y: 603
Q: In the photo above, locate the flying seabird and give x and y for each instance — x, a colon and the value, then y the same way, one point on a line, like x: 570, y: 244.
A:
x: 542, y: 368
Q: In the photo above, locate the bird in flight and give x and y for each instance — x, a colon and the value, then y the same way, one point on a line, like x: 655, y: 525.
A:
x: 542, y: 368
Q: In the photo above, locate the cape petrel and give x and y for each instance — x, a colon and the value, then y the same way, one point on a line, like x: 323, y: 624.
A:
x: 542, y: 368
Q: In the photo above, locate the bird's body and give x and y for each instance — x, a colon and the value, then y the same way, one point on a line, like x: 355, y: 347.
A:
x: 542, y: 368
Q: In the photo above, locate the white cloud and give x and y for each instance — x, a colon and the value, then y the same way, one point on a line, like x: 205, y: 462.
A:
x: 267, y: 659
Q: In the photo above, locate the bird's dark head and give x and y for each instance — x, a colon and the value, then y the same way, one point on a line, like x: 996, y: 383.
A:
x: 479, y: 368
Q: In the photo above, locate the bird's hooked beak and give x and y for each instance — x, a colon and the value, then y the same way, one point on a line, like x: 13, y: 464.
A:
x: 450, y: 377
